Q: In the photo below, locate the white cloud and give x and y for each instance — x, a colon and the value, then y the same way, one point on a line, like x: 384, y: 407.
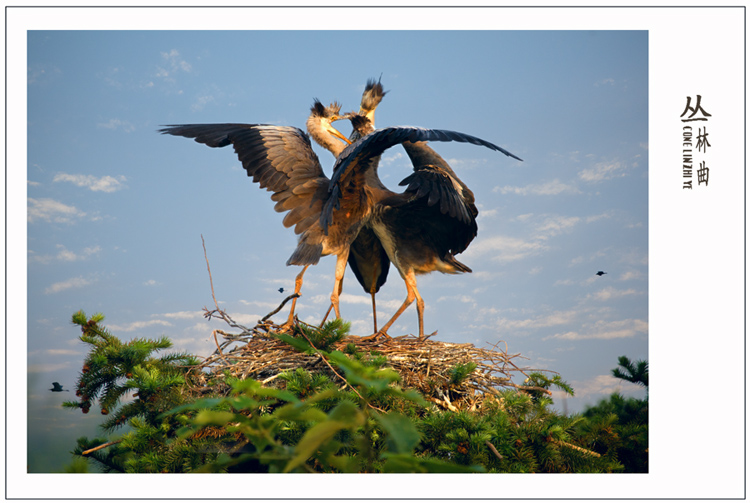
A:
x: 606, y: 330
x: 137, y: 325
x: 64, y: 255
x: 389, y: 158
x: 602, y: 385
x: 48, y: 367
x: 59, y: 352
x: 175, y: 61
x: 610, y: 293
x: 603, y: 82
x: 117, y: 124
x: 603, y: 171
x: 103, y: 184
x: 466, y: 164
x: 483, y: 213
x: 552, y: 188
x: 173, y: 64
x: 555, y: 225
x: 594, y: 218
x: 249, y: 320
x: 457, y: 298
x: 544, y: 321
x: 41, y: 74
x: 628, y: 275
x: 181, y: 315
x: 78, y: 282
x: 111, y: 77
x: 49, y: 210
x: 564, y: 282
x: 363, y: 326
x: 348, y: 298
x: 504, y: 248
x: 201, y: 102
x: 264, y: 305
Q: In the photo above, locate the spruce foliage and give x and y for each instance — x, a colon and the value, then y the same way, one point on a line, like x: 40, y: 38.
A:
x: 309, y: 422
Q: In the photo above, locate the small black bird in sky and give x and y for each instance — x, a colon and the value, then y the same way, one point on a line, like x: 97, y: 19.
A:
x: 56, y: 386
x: 281, y: 290
x: 601, y: 273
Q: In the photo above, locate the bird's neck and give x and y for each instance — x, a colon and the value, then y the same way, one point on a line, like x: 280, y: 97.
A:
x: 322, y: 137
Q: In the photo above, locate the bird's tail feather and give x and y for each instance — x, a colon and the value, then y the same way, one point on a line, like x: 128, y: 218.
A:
x: 306, y: 254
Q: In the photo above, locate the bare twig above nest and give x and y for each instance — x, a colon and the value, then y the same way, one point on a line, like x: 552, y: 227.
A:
x: 292, y: 296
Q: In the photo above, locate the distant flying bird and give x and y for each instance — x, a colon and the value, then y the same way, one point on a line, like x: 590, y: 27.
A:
x: 601, y: 273
x: 281, y: 290
x: 422, y: 228
x: 56, y: 386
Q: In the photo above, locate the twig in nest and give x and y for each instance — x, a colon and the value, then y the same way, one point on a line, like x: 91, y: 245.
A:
x: 443, y: 403
x: 292, y: 296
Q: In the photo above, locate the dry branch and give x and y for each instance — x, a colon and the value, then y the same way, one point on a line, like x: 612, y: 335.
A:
x: 99, y: 447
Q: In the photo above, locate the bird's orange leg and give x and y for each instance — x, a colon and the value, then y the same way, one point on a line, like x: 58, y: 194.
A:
x: 411, y: 294
x: 297, y: 288
x: 339, y: 286
x: 420, y: 307
x: 374, y: 313
x: 372, y: 294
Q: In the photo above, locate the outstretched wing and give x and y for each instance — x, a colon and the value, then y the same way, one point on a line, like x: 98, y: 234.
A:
x: 280, y: 159
x: 361, y: 154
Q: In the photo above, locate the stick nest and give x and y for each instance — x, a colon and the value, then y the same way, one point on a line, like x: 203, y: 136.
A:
x: 427, y: 366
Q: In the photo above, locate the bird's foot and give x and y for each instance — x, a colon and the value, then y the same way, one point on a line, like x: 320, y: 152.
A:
x: 288, y: 325
x: 377, y: 335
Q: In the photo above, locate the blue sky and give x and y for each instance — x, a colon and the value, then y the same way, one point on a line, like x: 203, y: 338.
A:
x: 116, y: 211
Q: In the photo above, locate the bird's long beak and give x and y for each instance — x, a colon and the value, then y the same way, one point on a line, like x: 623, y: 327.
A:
x: 335, y: 132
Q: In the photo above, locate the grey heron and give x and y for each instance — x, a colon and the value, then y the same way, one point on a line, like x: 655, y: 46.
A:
x: 57, y: 387
x: 422, y: 228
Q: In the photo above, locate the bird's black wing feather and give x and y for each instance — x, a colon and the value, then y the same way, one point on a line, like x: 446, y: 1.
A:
x: 362, y: 151
x: 434, y: 185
